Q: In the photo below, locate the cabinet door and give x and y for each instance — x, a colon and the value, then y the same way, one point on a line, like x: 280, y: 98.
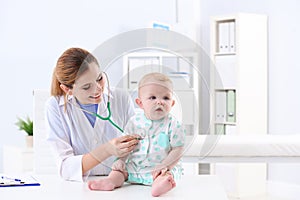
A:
x: 226, y: 72
x: 184, y: 106
x: 138, y: 67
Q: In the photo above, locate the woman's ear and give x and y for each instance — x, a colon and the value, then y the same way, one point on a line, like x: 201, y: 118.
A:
x: 139, y: 102
x: 66, y: 89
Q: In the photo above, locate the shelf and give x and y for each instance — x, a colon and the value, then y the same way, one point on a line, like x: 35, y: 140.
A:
x: 224, y: 54
x: 224, y: 89
x: 226, y: 123
x: 239, y: 79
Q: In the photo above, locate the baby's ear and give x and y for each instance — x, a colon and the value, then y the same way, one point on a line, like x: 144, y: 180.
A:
x: 173, y: 103
x: 139, y: 102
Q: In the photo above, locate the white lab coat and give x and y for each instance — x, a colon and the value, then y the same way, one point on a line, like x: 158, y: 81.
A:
x: 71, y: 134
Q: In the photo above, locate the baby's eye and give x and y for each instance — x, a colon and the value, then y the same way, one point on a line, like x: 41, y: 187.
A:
x: 152, y: 98
x: 166, y: 98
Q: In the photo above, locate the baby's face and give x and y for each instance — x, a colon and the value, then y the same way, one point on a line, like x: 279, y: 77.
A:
x: 156, y: 100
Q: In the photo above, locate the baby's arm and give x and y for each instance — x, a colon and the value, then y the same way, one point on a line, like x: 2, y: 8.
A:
x: 169, y: 162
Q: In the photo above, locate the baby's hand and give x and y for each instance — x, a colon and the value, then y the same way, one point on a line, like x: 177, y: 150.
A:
x: 159, y: 170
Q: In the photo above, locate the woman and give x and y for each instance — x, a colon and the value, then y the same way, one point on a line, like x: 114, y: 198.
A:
x: 85, y: 145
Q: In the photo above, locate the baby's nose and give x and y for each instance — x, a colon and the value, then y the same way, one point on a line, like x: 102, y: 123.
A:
x: 160, y: 101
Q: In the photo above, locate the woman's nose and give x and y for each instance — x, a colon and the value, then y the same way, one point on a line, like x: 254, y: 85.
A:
x: 98, y: 85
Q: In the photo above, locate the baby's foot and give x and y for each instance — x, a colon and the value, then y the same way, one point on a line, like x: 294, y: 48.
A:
x: 162, y: 184
x: 103, y: 184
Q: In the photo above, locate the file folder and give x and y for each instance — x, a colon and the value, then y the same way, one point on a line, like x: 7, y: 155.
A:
x: 232, y: 37
x: 220, y: 106
x: 223, y: 37
x: 230, y: 95
x: 220, y: 129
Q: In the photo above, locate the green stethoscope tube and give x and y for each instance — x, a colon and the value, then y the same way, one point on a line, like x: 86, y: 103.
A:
x: 108, y: 117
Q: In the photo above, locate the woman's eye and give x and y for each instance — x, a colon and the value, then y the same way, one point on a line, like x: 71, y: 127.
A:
x: 86, y: 87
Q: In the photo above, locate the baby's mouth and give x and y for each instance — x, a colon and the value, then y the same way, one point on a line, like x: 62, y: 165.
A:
x: 159, y: 109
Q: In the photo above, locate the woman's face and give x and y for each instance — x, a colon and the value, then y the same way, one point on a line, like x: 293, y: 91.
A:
x: 89, y: 87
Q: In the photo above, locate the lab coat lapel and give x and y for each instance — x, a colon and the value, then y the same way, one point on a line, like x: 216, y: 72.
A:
x: 84, y: 128
x: 104, y: 127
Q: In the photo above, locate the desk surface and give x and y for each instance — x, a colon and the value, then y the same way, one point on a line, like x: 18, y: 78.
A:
x: 52, y: 187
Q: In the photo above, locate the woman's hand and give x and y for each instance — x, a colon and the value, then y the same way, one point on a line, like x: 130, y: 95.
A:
x: 119, y: 147
x: 122, y: 146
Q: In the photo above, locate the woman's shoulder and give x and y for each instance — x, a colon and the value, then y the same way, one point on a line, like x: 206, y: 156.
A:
x: 119, y: 94
x: 54, y: 101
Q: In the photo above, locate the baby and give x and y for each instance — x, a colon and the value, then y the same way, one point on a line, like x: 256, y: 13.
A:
x: 153, y: 161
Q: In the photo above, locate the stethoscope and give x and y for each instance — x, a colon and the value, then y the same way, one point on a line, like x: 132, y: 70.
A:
x: 108, y: 117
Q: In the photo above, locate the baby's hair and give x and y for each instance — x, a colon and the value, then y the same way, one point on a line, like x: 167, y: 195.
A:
x: 158, y: 78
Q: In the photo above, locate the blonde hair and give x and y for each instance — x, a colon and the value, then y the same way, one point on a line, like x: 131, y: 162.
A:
x: 70, y: 65
x: 157, y: 78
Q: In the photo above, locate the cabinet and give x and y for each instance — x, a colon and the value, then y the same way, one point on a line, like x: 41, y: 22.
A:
x: 185, y: 80
x: 17, y: 160
x: 239, y: 90
x: 181, y: 72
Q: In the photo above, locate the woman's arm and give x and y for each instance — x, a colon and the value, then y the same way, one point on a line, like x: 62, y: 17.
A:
x: 119, y: 147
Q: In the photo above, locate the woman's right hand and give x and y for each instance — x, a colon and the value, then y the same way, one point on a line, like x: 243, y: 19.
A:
x: 118, y: 147
x: 122, y: 146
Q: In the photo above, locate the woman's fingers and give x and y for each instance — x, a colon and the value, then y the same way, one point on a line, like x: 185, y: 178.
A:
x: 126, y: 138
x: 129, y: 143
x: 123, y: 145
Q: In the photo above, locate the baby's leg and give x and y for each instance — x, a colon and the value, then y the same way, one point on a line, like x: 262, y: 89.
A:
x: 114, y: 180
x: 162, y: 184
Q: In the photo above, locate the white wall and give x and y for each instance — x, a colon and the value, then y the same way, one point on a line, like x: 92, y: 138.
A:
x: 34, y: 33
x: 284, y: 70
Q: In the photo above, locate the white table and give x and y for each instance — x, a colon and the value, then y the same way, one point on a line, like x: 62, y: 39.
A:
x: 52, y: 187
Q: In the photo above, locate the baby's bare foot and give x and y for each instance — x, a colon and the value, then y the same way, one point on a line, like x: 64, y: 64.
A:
x: 162, y: 184
x: 103, y: 184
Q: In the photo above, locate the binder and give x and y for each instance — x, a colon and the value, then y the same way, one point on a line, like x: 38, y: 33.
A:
x: 220, y: 129
x: 223, y: 37
x: 231, y: 37
x: 220, y: 106
x: 230, y: 106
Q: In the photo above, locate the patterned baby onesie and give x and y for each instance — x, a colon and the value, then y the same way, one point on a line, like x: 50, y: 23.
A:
x: 159, y: 137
